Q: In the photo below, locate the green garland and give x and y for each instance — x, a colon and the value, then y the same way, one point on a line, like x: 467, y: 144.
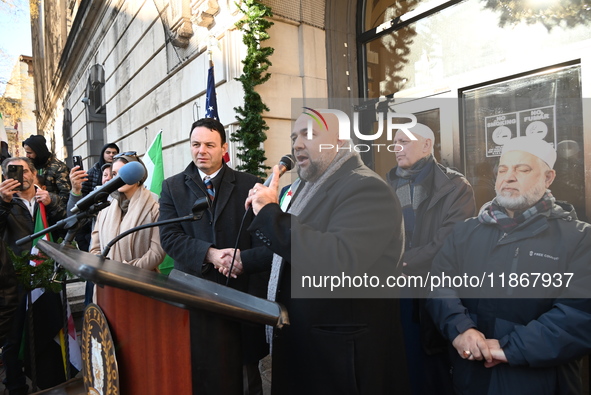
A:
x: 40, y: 276
x: 252, y: 126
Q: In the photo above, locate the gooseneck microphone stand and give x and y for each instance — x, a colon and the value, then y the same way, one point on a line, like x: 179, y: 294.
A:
x: 199, y: 207
x: 72, y: 224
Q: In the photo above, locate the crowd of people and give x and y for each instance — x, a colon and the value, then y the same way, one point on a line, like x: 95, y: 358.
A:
x: 339, y: 217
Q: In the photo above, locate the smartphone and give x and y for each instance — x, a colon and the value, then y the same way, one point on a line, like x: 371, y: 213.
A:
x: 77, y: 160
x: 16, y: 172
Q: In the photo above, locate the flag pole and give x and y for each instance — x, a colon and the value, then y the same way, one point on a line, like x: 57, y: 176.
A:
x: 211, y: 105
x: 210, y: 45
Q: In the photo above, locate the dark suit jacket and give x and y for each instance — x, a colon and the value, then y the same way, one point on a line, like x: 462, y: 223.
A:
x: 338, y: 346
x: 187, y: 243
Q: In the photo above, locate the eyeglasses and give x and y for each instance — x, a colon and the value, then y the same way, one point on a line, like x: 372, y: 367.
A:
x: 128, y: 153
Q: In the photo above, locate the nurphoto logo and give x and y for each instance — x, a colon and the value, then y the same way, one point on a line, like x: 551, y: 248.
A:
x: 391, y: 127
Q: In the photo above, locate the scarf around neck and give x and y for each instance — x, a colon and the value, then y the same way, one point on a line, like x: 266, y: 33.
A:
x: 311, y: 188
x: 495, y: 214
x: 412, y: 191
x: 415, y: 169
x: 304, y: 196
x: 137, y: 211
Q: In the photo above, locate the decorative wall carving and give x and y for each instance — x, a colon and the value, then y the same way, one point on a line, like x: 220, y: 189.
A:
x: 181, y: 28
x: 204, y: 11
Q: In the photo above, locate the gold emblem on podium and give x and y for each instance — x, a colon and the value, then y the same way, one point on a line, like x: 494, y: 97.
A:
x: 101, y: 376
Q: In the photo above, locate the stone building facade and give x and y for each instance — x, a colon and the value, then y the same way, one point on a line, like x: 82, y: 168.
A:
x: 121, y: 71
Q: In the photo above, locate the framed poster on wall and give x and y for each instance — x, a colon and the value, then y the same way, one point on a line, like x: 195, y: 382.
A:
x: 547, y: 104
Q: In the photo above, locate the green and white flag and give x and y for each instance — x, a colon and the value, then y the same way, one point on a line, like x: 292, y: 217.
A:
x: 154, y: 165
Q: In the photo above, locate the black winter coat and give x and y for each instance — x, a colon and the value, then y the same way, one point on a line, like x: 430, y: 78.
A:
x: 15, y: 223
x: 187, y: 243
x: 451, y: 201
x: 8, y: 293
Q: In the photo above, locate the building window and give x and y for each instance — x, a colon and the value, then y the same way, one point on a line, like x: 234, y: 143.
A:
x: 67, y: 134
x: 418, y: 48
x: 96, y: 88
x: 96, y: 114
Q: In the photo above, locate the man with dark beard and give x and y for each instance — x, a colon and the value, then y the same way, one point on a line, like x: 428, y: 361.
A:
x: 54, y: 172
x: 530, y: 318
x: 343, y: 220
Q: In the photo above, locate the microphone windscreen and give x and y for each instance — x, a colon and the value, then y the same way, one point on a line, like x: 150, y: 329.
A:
x: 132, y: 173
x: 287, y: 161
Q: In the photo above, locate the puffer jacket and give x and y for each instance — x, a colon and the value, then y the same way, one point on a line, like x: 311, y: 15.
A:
x: 544, y: 331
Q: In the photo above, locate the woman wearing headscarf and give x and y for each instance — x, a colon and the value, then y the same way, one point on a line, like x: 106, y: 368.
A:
x: 132, y: 205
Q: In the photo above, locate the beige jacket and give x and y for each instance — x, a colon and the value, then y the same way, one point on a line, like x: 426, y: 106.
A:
x: 141, y: 249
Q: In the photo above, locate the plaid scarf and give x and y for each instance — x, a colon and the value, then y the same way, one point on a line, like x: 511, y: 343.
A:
x: 496, y: 215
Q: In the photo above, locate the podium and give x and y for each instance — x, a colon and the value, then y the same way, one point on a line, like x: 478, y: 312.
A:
x: 150, y: 315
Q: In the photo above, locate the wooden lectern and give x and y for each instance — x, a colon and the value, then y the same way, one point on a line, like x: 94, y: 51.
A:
x: 148, y: 315
x: 152, y: 342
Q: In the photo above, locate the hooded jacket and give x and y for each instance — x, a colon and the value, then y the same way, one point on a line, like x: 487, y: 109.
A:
x: 55, y: 173
x: 543, y: 337
x: 95, y: 175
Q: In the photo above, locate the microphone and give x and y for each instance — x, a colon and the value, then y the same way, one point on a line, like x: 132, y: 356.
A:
x: 286, y: 163
x: 129, y: 174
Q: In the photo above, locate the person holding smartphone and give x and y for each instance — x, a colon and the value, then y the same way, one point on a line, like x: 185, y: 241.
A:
x: 19, y: 202
x: 54, y: 171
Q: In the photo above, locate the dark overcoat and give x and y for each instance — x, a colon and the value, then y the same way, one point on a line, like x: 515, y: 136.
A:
x: 187, y: 243
x: 346, y: 345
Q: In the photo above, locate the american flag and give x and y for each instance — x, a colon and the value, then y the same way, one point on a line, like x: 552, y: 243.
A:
x: 211, y: 103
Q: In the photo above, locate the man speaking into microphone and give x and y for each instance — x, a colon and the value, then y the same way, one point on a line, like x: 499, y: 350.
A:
x: 202, y: 247
x: 343, y: 220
